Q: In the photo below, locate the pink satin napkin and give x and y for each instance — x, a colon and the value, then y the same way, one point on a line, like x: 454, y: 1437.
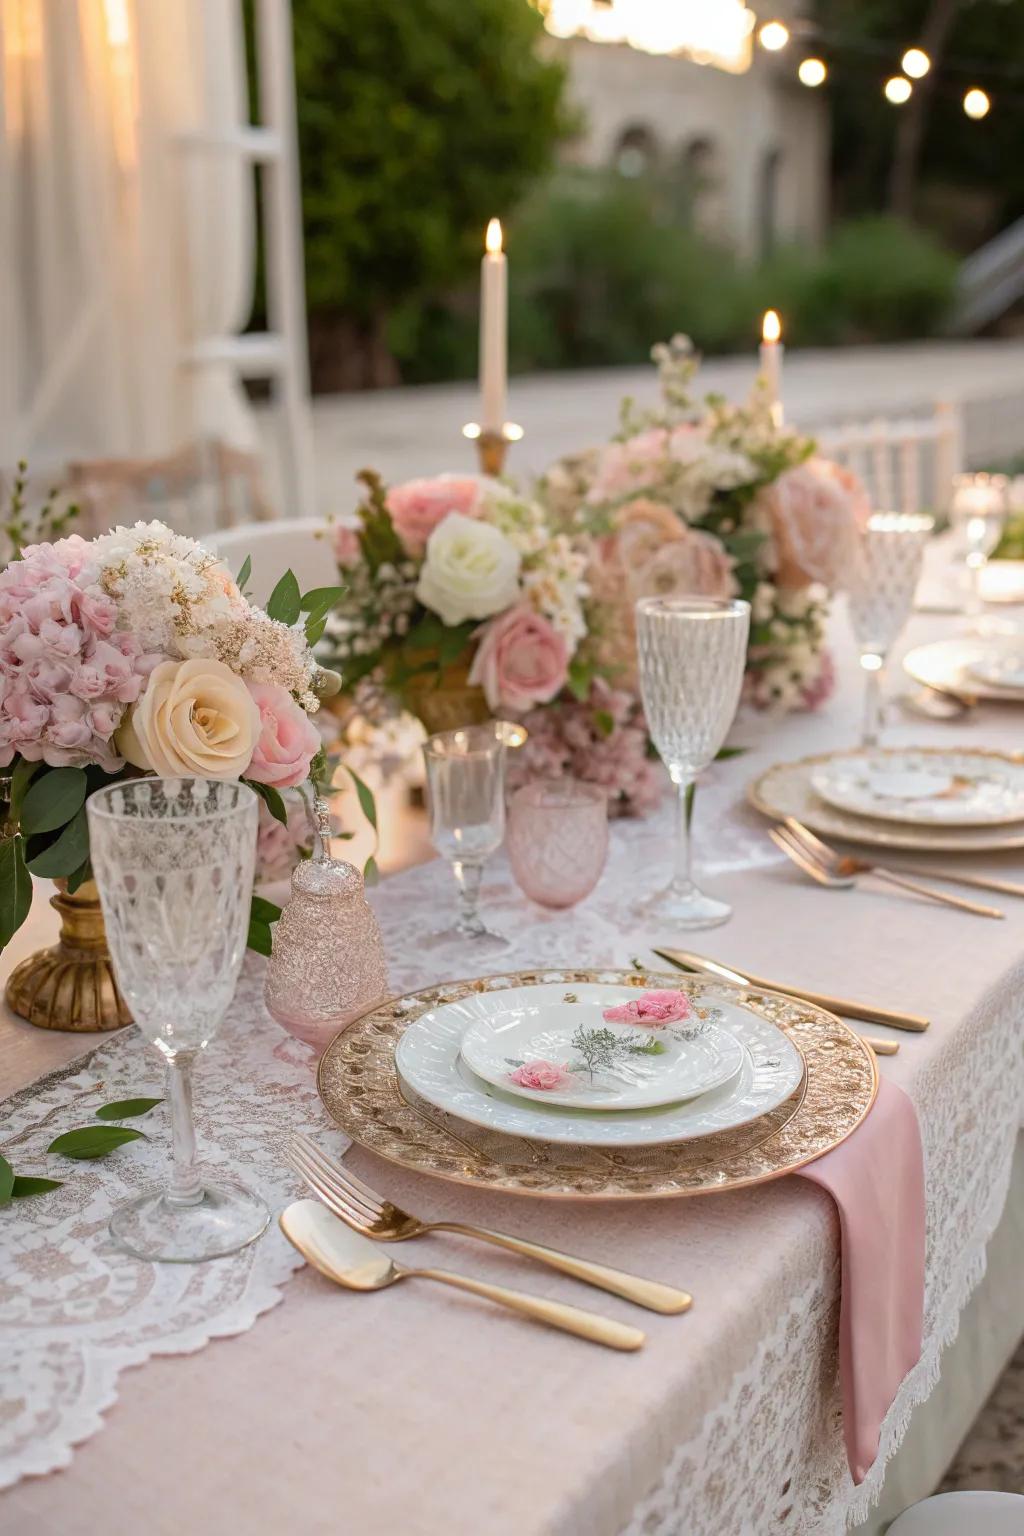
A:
x: 876, y: 1177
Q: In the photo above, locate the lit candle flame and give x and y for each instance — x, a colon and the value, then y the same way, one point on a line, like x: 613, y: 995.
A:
x: 492, y: 240
x: 771, y: 327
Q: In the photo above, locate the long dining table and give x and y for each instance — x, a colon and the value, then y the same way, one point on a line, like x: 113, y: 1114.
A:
x: 431, y: 1414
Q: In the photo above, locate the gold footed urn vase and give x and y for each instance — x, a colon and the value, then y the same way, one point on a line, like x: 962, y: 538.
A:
x: 71, y: 985
x: 444, y: 700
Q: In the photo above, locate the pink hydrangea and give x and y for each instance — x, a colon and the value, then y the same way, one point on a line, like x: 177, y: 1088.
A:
x: 418, y: 506
x: 541, y: 1075
x: 521, y: 660
x: 66, y: 673
x: 653, y: 1009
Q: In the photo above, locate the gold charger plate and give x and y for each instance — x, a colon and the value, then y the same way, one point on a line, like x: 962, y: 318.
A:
x: 359, y: 1086
x: 786, y: 790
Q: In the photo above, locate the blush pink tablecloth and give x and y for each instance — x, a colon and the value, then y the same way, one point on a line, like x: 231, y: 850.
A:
x: 876, y: 1178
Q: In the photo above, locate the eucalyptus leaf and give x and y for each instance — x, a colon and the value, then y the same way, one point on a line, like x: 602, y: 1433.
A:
x: 93, y: 1141
x: 318, y: 599
x: 285, y: 602
x: 6, y: 1180
x: 15, y: 887
x: 244, y: 573
x: 25, y: 1186
x: 52, y: 800
x: 68, y: 853
x: 125, y: 1109
x: 367, y: 804
x: 315, y: 630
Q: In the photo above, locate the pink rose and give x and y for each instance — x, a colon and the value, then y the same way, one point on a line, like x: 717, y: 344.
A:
x: 654, y: 1009
x: 815, y: 511
x: 346, y: 546
x: 695, y: 565
x: 418, y: 506
x: 542, y: 1075
x: 288, y: 740
x: 521, y: 660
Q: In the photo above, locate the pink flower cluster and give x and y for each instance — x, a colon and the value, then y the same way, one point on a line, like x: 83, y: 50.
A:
x: 66, y: 674
x: 521, y: 660
x: 540, y: 1075
x: 653, y: 1009
x: 602, y: 741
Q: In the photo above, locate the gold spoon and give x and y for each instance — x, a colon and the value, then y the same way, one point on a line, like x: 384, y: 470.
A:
x: 352, y: 1261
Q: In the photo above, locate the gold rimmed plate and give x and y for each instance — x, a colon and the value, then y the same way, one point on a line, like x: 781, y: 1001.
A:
x: 949, y: 665
x: 359, y: 1085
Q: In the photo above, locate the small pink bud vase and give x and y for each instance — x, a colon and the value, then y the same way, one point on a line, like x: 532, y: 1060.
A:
x: 327, y: 965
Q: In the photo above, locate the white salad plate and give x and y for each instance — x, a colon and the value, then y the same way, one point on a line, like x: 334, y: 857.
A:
x: 951, y: 664
x: 1001, y: 665
x: 580, y: 1060
x: 429, y: 1061
x: 933, y: 788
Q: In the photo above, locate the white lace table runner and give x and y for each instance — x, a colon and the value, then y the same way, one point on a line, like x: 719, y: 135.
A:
x: 74, y: 1314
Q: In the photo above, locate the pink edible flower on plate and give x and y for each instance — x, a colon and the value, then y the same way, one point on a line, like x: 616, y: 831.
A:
x: 654, y: 1009
x: 540, y: 1074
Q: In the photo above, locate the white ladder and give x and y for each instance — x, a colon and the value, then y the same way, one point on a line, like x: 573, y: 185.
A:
x: 279, y: 354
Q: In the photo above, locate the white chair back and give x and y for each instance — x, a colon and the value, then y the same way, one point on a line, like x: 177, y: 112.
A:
x: 301, y: 544
x: 204, y: 486
x: 907, y: 464
x: 963, y: 1514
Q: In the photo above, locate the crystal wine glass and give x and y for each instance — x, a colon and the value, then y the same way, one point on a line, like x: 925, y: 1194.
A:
x: 978, y: 512
x: 466, y: 802
x: 692, y: 653
x: 174, y: 859
x: 885, y: 571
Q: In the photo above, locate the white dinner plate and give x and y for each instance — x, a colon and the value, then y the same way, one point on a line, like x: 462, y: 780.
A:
x: 950, y: 664
x: 1001, y: 664
x: 429, y: 1061
x: 568, y: 1053
x: 930, y: 789
x: 786, y: 790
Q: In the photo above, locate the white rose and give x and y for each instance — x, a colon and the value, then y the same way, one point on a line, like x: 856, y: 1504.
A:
x: 471, y: 571
x: 196, y: 718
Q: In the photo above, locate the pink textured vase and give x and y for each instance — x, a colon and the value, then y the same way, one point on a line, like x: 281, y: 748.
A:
x: 557, y: 839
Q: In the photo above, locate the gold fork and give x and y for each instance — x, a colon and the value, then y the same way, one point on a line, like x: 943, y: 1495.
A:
x: 834, y: 869
x: 369, y: 1213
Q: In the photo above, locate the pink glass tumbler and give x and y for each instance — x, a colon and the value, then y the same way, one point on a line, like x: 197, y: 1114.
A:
x: 557, y: 839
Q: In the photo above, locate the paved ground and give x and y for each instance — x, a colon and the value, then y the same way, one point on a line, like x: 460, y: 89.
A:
x: 417, y: 430
x: 992, y: 1456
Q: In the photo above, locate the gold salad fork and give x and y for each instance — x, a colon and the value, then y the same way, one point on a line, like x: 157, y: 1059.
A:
x: 839, y: 870
x: 369, y: 1213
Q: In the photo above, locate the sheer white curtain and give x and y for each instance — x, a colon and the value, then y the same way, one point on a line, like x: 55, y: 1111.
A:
x: 121, y: 242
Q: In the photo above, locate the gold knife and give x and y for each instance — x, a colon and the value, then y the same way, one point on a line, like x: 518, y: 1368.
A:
x: 685, y: 961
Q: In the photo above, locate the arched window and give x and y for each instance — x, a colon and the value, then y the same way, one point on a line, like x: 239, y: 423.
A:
x: 703, y: 181
x: 636, y: 151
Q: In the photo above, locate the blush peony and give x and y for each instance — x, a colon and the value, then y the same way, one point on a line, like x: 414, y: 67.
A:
x: 540, y: 1075
x: 288, y: 740
x: 521, y: 660
x: 419, y: 506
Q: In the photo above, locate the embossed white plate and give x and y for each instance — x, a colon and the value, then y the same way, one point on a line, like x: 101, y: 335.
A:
x: 933, y: 788
x: 428, y: 1059
x: 566, y: 1052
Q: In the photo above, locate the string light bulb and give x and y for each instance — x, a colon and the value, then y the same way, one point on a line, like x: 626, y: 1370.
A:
x: 915, y: 63
x: 812, y: 72
x: 976, y: 103
x: 774, y: 36
x: 898, y: 90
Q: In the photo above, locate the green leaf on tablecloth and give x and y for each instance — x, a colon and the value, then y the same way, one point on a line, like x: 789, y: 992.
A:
x: 725, y: 753
x: 67, y: 854
x: 271, y: 798
x: 367, y: 804
x: 264, y: 911
x: 15, y: 887
x: 26, y: 1186
x: 6, y: 1180
x: 244, y: 574
x: 22, y: 775
x: 94, y: 1141
x: 125, y: 1109
x: 285, y: 602
x: 52, y: 801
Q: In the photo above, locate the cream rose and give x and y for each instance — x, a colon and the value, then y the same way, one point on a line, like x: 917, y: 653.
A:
x: 195, y: 718
x: 471, y: 571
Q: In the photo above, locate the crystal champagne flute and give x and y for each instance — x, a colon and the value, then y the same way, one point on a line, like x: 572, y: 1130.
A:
x: 174, y: 859
x: 692, y: 654
x: 885, y: 571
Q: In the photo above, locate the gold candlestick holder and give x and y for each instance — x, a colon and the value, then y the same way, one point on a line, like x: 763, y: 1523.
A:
x: 492, y: 445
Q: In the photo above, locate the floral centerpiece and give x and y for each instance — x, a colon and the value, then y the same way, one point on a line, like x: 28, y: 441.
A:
x: 138, y: 652
x: 708, y: 498
x: 457, y: 582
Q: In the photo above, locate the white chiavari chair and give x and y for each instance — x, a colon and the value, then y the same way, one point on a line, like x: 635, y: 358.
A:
x: 907, y: 463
